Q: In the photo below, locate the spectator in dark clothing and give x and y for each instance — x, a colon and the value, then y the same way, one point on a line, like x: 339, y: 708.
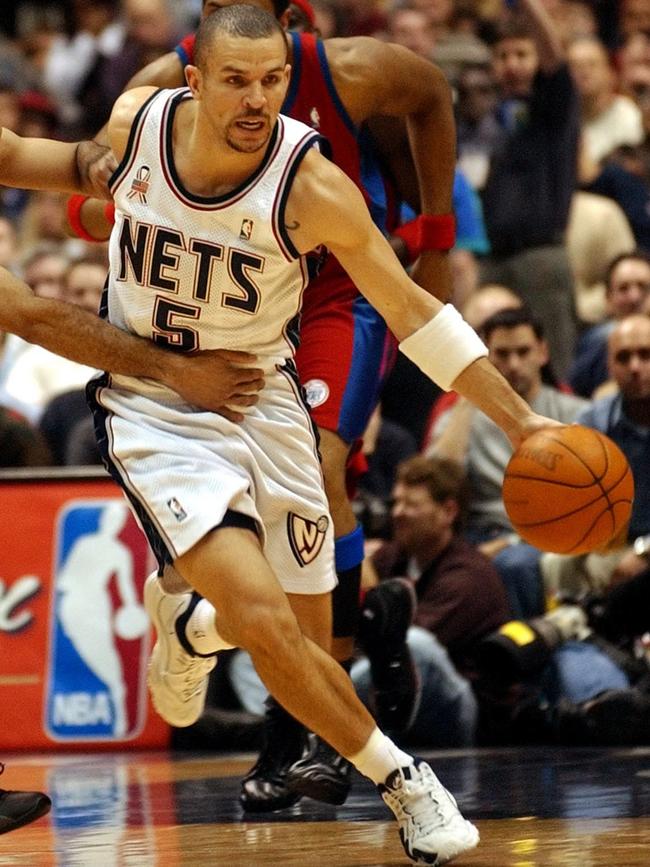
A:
x: 81, y: 447
x: 451, y: 593
x: 627, y: 289
x: 385, y: 445
x: 532, y: 174
x: 629, y: 190
x: 624, y: 417
x: 60, y: 418
x: 371, y: 468
x: 477, y: 127
x: 151, y: 31
x: 21, y: 445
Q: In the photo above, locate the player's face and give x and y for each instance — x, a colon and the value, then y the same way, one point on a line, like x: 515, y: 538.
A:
x: 210, y: 6
x: 514, y: 64
x: 416, y: 518
x: 629, y: 358
x: 629, y: 287
x: 243, y: 88
x: 519, y: 356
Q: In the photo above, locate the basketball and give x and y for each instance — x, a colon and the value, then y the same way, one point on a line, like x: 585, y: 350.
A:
x: 568, y: 490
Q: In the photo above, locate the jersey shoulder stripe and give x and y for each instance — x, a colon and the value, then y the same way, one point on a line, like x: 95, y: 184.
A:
x: 279, y: 222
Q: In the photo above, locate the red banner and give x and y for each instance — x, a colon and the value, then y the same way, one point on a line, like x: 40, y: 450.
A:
x: 74, y: 637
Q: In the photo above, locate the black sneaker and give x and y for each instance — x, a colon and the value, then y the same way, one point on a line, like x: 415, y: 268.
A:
x: 21, y: 808
x: 386, y: 615
x: 321, y: 774
x: 617, y: 717
x: 264, y: 788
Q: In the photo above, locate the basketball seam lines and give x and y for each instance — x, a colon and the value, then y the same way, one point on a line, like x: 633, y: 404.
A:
x: 605, y: 494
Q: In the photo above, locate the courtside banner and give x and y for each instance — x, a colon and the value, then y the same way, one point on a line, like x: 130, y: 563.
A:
x: 74, y: 637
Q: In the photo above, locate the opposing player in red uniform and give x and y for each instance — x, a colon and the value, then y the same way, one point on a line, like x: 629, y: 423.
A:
x: 337, y: 87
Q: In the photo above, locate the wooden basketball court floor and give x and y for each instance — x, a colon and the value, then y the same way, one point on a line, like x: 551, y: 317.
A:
x: 535, y: 807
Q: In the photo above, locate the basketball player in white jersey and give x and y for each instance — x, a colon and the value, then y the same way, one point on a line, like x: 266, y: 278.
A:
x: 218, y: 200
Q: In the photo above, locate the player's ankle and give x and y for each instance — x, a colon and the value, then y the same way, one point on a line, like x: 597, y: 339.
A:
x: 200, y: 630
x: 379, y: 758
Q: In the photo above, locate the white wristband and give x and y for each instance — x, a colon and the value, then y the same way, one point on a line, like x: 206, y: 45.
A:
x: 444, y: 347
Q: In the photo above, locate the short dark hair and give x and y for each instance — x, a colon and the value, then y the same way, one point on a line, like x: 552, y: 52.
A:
x: 443, y: 478
x: 512, y: 317
x: 279, y: 6
x: 513, y: 27
x: 635, y: 255
x: 249, y: 22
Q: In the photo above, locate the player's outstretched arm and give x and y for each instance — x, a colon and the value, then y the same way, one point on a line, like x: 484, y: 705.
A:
x: 39, y: 164
x: 408, y: 104
x: 209, y: 380
x: 325, y: 207
x: 396, y: 82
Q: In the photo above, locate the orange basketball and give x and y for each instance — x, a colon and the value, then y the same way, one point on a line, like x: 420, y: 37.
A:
x: 568, y: 490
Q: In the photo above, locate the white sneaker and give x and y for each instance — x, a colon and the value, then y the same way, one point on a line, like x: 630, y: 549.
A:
x: 178, y: 680
x: 431, y: 827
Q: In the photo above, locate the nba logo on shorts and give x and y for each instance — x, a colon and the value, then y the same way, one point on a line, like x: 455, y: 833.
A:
x: 99, y: 630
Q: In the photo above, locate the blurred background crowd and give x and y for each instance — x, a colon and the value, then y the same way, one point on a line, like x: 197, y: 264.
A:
x: 551, y: 265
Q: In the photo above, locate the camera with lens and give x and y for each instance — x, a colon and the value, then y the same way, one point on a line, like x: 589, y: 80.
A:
x: 521, y: 648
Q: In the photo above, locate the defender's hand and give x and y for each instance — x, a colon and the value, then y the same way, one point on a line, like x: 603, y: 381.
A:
x: 96, y: 164
x: 216, y: 380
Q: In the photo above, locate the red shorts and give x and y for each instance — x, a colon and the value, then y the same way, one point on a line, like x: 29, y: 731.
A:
x: 346, y: 351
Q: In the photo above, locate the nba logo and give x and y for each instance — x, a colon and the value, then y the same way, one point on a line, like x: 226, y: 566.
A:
x: 99, y: 630
x: 246, y: 230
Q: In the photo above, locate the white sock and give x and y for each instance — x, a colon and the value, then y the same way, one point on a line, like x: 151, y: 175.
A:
x: 201, y: 630
x: 379, y: 758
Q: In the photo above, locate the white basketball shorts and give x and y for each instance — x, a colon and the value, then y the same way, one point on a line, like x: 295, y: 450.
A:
x: 182, y: 469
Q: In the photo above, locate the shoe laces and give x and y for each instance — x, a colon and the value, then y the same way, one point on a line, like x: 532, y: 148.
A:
x: 193, y: 671
x: 417, y: 797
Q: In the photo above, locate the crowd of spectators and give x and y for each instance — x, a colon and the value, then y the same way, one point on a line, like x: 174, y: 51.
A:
x: 551, y: 264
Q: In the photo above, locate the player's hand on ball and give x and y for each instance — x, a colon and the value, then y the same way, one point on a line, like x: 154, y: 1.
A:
x: 568, y: 490
x: 531, y: 425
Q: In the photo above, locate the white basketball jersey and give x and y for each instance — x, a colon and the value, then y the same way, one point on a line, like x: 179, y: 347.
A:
x: 192, y: 272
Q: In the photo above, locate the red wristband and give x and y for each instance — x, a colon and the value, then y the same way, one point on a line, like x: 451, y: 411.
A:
x: 428, y: 232
x: 73, y: 208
